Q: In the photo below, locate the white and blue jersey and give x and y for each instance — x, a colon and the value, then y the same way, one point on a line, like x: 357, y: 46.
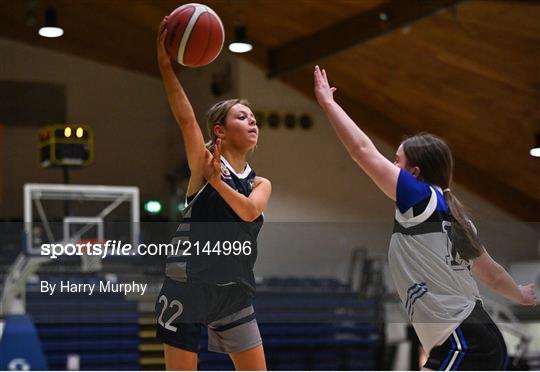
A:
x: 434, y: 283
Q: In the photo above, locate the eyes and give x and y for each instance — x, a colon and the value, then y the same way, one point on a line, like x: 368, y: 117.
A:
x: 245, y: 116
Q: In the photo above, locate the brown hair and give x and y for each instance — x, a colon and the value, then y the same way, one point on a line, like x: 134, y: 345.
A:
x: 434, y: 158
x: 217, y: 116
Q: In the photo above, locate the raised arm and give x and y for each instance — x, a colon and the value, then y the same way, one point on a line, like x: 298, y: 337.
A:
x: 247, y: 208
x: 360, y: 147
x: 183, y: 113
x: 497, y: 278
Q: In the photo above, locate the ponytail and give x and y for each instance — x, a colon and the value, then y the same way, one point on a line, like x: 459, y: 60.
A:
x: 464, y: 237
x: 434, y: 158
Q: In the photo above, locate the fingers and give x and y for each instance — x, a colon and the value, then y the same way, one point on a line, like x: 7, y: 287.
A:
x: 162, y: 25
x: 207, y: 156
x: 321, y: 78
x: 317, y: 75
x: 217, y: 152
x: 162, y: 30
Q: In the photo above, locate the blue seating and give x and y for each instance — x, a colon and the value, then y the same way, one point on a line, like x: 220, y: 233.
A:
x: 102, y: 329
x: 311, y: 324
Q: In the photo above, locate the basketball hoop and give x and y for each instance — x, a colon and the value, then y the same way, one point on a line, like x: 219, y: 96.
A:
x: 90, y: 261
x: 89, y: 245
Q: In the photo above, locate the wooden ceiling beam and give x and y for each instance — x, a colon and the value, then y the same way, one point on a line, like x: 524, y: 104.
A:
x: 360, y: 28
x: 478, y: 181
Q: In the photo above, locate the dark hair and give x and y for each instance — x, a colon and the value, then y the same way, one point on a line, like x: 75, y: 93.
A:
x: 434, y: 158
x: 217, y: 114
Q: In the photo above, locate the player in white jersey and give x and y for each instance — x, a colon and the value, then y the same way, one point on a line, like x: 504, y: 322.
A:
x: 434, y: 249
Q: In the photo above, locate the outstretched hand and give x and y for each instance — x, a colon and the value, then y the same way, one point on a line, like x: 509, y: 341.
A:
x: 528, y: 294
x: 212, y: 164
x: 162, y: 55
x: 323, y: 92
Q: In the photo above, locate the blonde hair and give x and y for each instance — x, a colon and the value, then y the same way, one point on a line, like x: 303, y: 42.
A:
x: 217, y: 115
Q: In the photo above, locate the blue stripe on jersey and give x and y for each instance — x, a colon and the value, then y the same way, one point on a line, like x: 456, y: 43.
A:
x: 410, y: 192
x: 420, y: 294
x: 415, y: 288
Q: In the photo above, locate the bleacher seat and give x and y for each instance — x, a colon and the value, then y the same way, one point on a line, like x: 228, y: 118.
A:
x: 101, y: 329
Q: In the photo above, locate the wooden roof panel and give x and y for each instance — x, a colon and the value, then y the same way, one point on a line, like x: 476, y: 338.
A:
x: 471, y: 75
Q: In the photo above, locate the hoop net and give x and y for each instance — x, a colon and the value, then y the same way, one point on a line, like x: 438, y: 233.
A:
x: 90, y: 262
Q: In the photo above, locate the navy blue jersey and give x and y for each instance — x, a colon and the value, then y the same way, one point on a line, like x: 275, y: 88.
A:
x: 221, y: 248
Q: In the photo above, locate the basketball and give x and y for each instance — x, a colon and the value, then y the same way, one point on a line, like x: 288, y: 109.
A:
x: 195, y: 35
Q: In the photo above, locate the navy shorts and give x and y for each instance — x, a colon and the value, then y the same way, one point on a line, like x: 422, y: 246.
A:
x: 477, y: 344
x: 183, y: 308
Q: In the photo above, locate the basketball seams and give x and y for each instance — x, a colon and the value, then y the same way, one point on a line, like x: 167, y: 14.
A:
x: 196, y: 35
x: 220, y: 26
x: 215, y: 19
x: 209, y: 37
x: 187, y: 33
x: 179, y: 28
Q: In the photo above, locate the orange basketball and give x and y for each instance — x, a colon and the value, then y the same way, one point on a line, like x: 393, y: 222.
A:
x: 195, y: 35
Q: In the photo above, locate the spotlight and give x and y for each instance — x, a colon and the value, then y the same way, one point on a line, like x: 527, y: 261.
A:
x: 535, y: 150
x: 51, y: 28
x: 241, y: 43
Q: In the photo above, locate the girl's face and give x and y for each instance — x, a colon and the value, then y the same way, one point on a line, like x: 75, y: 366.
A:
x: 241, y: 129
x: 402, y: 163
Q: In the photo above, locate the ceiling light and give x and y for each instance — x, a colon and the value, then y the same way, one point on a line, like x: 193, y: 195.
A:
x: 240, y: 43
x: 51, y: 28
x: 535, y: 150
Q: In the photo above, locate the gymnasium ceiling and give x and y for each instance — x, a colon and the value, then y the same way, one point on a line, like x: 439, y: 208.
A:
x: 470, y: 73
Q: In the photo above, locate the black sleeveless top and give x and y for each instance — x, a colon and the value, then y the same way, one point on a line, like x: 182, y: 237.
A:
x: 221, y: 248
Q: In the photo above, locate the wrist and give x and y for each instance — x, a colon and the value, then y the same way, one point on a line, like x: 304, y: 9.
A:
x: 164, y: 63
x: 327, y: 104
x: 216, y: 182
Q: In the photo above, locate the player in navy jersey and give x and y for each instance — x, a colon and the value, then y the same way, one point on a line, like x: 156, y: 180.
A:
x: 209, y: 282
x: 434, y: 249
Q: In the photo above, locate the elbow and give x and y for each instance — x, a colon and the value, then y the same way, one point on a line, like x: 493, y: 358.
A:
x: 251, y: 215
x: 358, y: 153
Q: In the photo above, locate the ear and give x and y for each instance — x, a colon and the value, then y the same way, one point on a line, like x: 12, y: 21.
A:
x: 219, y: 131
x: 416, y: 172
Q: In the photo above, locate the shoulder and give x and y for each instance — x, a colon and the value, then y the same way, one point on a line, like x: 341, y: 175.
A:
x: 410, y: 191
x: 414, y: 197
x: 261, y: 181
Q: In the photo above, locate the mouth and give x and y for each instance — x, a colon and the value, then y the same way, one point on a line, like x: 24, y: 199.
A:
x: 253, y: 131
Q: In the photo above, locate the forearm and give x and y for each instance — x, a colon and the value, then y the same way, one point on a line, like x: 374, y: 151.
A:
x: 178, y: 100
x: 503, y: 284
x: 353, y: 138
x: 240, y: 204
